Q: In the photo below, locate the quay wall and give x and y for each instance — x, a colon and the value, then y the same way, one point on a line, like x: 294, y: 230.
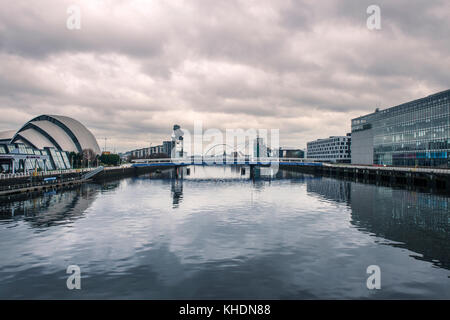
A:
x: 435, y: 179
x: 36, y: 184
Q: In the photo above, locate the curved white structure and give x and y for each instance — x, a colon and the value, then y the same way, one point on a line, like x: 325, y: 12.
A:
x: 60, y: 132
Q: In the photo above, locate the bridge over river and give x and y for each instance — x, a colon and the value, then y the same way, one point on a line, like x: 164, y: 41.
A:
x: 205, y: 161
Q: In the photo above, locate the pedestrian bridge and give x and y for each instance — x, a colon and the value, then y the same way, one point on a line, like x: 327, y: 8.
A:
x: 214, y: 161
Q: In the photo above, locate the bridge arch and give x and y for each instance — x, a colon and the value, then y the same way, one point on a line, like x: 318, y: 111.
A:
x: 234, y: 149
x: 218, y: 145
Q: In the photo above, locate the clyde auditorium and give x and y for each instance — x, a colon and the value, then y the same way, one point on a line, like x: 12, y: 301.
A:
x: 44, y: 143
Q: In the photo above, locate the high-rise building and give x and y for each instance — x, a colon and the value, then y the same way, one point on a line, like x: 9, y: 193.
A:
x: 415, y: 133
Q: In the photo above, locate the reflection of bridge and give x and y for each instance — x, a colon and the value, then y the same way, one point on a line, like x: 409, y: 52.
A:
x: 220, y: 160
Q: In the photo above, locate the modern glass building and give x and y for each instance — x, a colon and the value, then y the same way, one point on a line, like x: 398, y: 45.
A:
x: 415, y: 133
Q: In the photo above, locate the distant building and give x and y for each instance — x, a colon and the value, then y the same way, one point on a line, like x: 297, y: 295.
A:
x: 259, y: 148
x: 291, y: 153
x: 167, y: 147
x: 150, y: 152
x: 333, y: 149
x: 415, y: 133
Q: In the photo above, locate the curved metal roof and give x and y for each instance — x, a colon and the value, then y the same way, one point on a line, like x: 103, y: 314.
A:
x: 37, y: 139
x: 64, y: 133
x: 7, y: 135
x: 63, y: 141
x: 84, y: 136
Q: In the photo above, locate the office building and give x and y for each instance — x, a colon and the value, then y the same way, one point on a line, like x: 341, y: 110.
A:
x: 415, y: 133
x: 333, y: 149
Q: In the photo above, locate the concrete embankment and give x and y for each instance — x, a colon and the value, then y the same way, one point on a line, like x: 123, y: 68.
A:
x: 434, y: 179
x: 47, y: 182
x: 122, y: 172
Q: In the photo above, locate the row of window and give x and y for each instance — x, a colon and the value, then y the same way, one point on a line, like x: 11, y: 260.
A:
x: 58, y: 159
x: 333, y: 156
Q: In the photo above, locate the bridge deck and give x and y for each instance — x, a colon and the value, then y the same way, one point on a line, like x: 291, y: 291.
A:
x: 227, y: 161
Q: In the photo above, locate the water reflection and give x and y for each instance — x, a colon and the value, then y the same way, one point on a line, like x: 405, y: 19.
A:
x: 216, y: 233
x: 177, y: 191
x: 52, y: 208
x: 419, y: 222
x: 335, y: 190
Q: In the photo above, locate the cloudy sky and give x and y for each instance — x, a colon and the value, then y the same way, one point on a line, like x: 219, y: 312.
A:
x: 137, y: 67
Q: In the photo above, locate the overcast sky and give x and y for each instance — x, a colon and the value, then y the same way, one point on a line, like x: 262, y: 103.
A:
x: 135, y: 68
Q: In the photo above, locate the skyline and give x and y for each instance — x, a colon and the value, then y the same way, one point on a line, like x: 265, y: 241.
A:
x: 135, y: 68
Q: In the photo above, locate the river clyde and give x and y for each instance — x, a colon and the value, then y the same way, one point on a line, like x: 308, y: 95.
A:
x: 216, y: 234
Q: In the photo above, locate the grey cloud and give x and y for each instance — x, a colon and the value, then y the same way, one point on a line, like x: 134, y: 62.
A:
x: 134, y: 69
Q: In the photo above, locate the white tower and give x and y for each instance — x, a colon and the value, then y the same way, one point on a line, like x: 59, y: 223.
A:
x: 177, y: 142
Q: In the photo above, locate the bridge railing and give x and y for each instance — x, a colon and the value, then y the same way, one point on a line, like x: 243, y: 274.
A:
x: 92, y: 173
x: 221, y: 159
x: 164, y: 160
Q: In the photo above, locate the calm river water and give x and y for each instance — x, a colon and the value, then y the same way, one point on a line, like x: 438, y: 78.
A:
x: 218, y: 235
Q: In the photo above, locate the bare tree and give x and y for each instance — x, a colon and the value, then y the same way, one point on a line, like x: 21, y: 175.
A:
x: 89, y: 157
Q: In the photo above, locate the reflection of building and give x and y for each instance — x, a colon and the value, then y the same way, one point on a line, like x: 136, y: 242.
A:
x: 413, y: 133
x: 177, y: 191
x: 331, y: 189
x: 44, y: 143
x: 53, y: 208
x: 332, y: 149
x: 417, y: 221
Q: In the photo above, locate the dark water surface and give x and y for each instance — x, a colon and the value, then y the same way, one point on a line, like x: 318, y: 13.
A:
x: 216, y: 234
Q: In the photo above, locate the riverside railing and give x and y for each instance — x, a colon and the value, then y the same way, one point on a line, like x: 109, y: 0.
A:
x: 398, y: 169
x: 43, y: 173
x: 37, y: 184
x: 50, y: 173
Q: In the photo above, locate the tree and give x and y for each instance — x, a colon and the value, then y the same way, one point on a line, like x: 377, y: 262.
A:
x: 89, y: 157
x: 75, y: 159
x: 110, y: 159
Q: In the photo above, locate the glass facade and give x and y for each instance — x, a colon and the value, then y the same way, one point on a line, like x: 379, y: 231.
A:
x: 416, y: 133
x: 57, y: 158
x: 48, y: 164
x: 28, y: 159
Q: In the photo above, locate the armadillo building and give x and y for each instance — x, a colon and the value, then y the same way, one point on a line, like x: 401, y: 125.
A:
x: 43, y: 143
